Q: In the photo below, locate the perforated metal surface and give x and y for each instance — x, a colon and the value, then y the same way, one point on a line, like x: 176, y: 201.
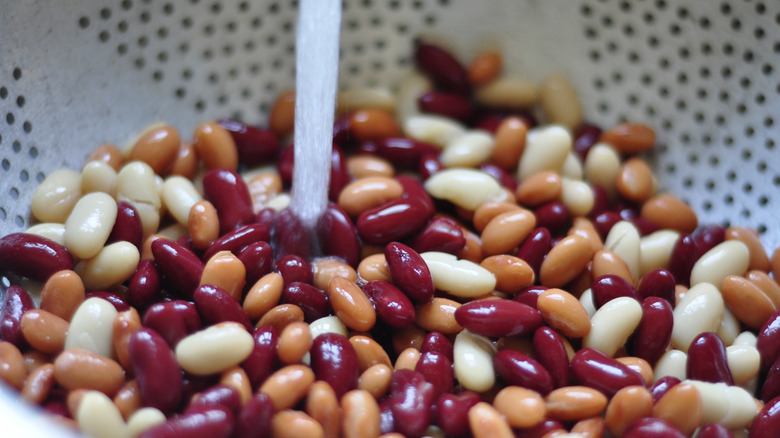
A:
x: 705, y: 74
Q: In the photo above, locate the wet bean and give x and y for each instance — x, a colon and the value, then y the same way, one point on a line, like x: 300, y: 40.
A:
x: 411, y: 400
x: 314, y: 302
x: 440, y: 234
x: 519, y: 369
x: 81, y: 369
x: 44, y: 331
x: 179, y: 266
x: 597, y: 370
x: 437, y: 369
x: 574, y: 403
x: 485, y: 421
x: 254, y: 145
x: 156, y: 371
x: 173, y: 320
x: 410, y: 272
x: 473, y: 360
x: 612, y: 324
x: 16, y: 302
x: 261, y: 361
x: 627, y: 406
x: 33, y: 256
x: 442, y: 67
x: 213, y: 421
x: 238, y: 239
x: 214, y: 349
x: 351, y: 305
x: 654, y: 331
x: 229, y: 194
x: 217, y: 395
x: 393, y: 307
x: 498, y: 317
x: 535, y: 247
x: 12, y: 370
x: 215, y: 305
x: 746, y: 301
x: 334, y: 360
x: 658, y: 283
x: 767, y: 422
x: 394, y: 220
x: 651, y: 427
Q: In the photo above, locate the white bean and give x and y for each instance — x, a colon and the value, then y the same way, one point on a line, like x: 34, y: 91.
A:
x: 179, y: 195
x: 572, y: 167
x: 411, y: 87
x: 655, y: 250
x: 623, y: 239
x: 98, y: 417
x: 577, y: 196
x: 602, y: 165
x: 114, y: 264
x: 673, y: 363
x: 462, y: 278
x: 546, y: 148
x: 468, y: 150
x: 55, y: 197
x: 366, y: 98
x: 730, y: 257
x: 586, y: 299
x: 90, y: 224
x: 136, y: 184
x: 473, y: 361
x: 508, y: 93
x: 729, y: 327
x: 98, y: 176
x: 92, y: 327
x: 214, y: 349
x: 560, y: 102
x: 744, y: 362
x: 699, y: 311
x: 279, y: 202
x: 437, y: 130
x: 746, y: 338
x: 143, y: 420
x: 730, y: 406
x: 466, y: 188
x: 50, y: 230
x: 612, y: 324
x: 328, y: 324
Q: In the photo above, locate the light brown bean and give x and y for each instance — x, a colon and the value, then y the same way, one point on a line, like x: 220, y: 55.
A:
x: 288, y: 385
x: 626, y: 406
x: 485, y: 67
x: 236, y: 378
x: 376, y: 380
x: 294, y: 342
x: 373, y: 124
x: 108, y: 153
x: 767, y: 285
x: 263, y: 295
x: 635, y: 180
x: 512, y: 273
x: 666, y: 211
x: 408, y: 359
x: 746, y: 301
x: 157, y: 147
x: 295, y: 424
x: 509, y: 142
x: 607, y: 262
x: 472, y: 251
x: 125, y: 324
x: 263, y: 187
x: 593, y: 427
x: 82, y: 369
x: 681, y: 406
x: 128, y: 399
x: 361, y: 415
x: 38, y: 385
x: 225, y: 270
x: 326, y: 269
x: 62, y: 294
x: 361, y: 166
x: 366, y: 193
x: 775, y: 262
x: 489, y: 210
x: 12, y: 369
x: 571, y: 403
x: 522, y: 407
x: 322, y: 404
x: 565, y: 261
x: 215, y: 146
x: 203, y: 224
x: 563, y: 312
x: 374, y: 267
x: 584, y: 227
x: 758, y: 257
x: 486, y: 422
x: 540, y: 188
x: 629, y: 137
x: 73, y: 400
x: 369, y: 352
x: 506, y: 231
x: 44, y: 331
x: 351, y: 305
x: 34, y: 359
x: 186, y: 162
x: 282, y: 116
x: 559, y: 101
x: 280, y: 316
x: 439, y: 315
x: 639, y: 365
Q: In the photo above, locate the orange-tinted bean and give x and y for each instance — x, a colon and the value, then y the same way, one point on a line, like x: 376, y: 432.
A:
x: 73, y: 400
x: 326, y: 269
x: 489, y: 210
x: 38, y: 384
x: 62, y: 294
x: 263, y: 295
x: 758, y: 256
x: 635, y: 180
x: 373, y: 125
x: 110, y: 154
x: 34, y: 359
x: 522, y: 407
x: 82, y: 369
x: 607, y: 262
x: 565, y: 261
x: 626, y: 406
x: 563, y: 312
x: 128, y: 399
x: 540, y: 188
x: 125, y: 324
x: 746, y: 301
x: 157, y: 147
x: 236, y: 378
x: 485, y: 67
x: 590, y: 427
x: 44, y: 331
x: 507, y: 230
x: 281, y: 120
x: 280, y: 316
x: 584, y: 227
x: 666, y: 211
x: 512, y: 273
x: 361, y: 166
x: 351, y: 305
x: 295, y: 424
x: 629, y: 138
x: 775, y: 262
x: 374, y: 267
x: 439, y: 315
x: 639, y: 365
x: 294, y: 342
x: 288, y: 385
x: 12, y: 369
x: 767, y: 285
x: 411, y: 336
x: 203, y: 224
x: 571, y: 403
x: 369, y: 352
x: 408, y: 359
x: 486, y: 422
x: 146, y: 249
x: 681, y: 406
x: 376, y: 380
x: 509, y: 142
x: 361, y: 414
x: 366, y: 193
x: 262, y: 187
x: 322, y: 404
x: 225, y: 270
x: 215, y: 146
x: 679, y: 292
x: 186, y: 162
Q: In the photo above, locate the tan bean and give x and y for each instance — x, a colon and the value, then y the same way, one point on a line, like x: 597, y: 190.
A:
x: 263, y: 187
x: 487, y: 211
x: 322, y: 404
x: 366, y: 193
x: 203, y: 224
x: 374, y: 267
x: 362, y: 166
x: 512, y: 93
x: 512, y: 273
x: 44, y: 331
x: 506, y: 231
x: 108, y: 153
x: 73, y: 400
x: 81, y: 369
x: 356, y: 99
x: 236, y: 378
x: 361, y: 415
x: 639, y: 365
x: 522, y: 407
x: 408, y: 359
x: 509, y: 144
x: 373, y: 125
x: 563, y: 312
x: 747, y: 301
x: 607, y: 262
x: 295, y: 424
x: 485, y: 67
x: 559, y: 101
x: 540, y: 188
x: 758, y: 257
x: 98, y: 176
x: 635, y: 180
x: 215, y: 146
x: 486, y: 422
x: 157, y: 147
x: 376, y: 380
x: 369, y: 352
x: 775, y: 262
x: 326, y: 269
x: 351, y: 305
x: 767, y: 285
x: 626, y: 406
x: 629, y: 138
x: 593, y: 427
x: 125, y: 324
x: 565, y: 261
x: 294, y: 342
x: 12, y: 369
x: 439, y: 315
x: 55, y: 197
x: 282, y: 117
x: 288, y: 385
x: 472, y: 251
x: 186, y: 162
x: 681, y: 406
x: 666, y: 211
x: 571, y: 403
x: 34, y: 359
x: 225, y: 270
x: 127, y: 399
x: 263, y: 295
x: 38, y: 384
x: 146, y: 249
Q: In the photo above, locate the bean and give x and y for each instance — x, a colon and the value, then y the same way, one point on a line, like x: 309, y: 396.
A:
x: 12, y: 369
x: 33, y: 256
x: 291, y: 424
x: 650, y: 426
x: 744, y: 361
x: 237, y: 379
x: 174, y: 320
x: 52, y: 231
x: 442, y: 67
x: 157, y: 147
x: 254, y: 145
x: 338, y: 236
x: 91, y: 327
x: 610, y: 286
x: 351, y: 305
x: 288, y: 385
x: 498, y: 317
x: 565, y: 261
x: 535, y: 247
x: 522, y: 407
x: 394, y: 220
x: 440, y: 234
x: 38, y: 384
x: 484, y: 67
x: 771, y: 386
x: 597, y: 370
x: 758, y: 257
x: 334, y: 360
x: 55, y: 197
x: 461, y: 278
x: 392, y: 306
x: 313, y: 302
x: 655, y: 250
x: 624, y: 240
x: 361, y: 414
x: 215, y: 305
x: 436, y: 368
x: 473, y: 361
x: 214, y: 349
x: 323, y: 406
x: 210, y: 421
x: 507, y: 230
x: 254, y: 420
x: 671, y: 364
x: 411, y: 398
x: 747, y: 301
x: 44, y: 331
x: 627, y: 406
x: 606, y: 262
x: 540, y: 188
x: 262, y: 359
x: 157, y: 373
x: 281, y: 116
x: 654, y: 331
x: 143, y: 419
x: 730, y: 257
x: 362, y: 166
x: 124, y: 325
x: 82, y: 369
x: 451, y: 412
x: 369, y: 352
x: 510, y: 139
x: 136, y: 185
x: 113, y: 264
x: 409, y: 272
x: 294, y: 342
x: 574, y: 403
x: 714, y: 430
x: 700, y: 310
x: 227, y: 272
x: 217, y: 395
x: 16, y: 302
x: 257, y: 258
x: 438, y: 315
x: 486, y: 421
x: 466, y: 188
x: 661, y: 386
x: 127, y: 226
x: 467, y: 150
x: 98, y: 176
x: 768, y: 286
x: 215, y: 146
x: 487, y: 211
x: 263, y: 295
x: 178, y: 265
x: 367, y: 193
x: 376, y: 380
x: 229, y: 194
x: 107, y: 153
x: 612, y: 324
x: 559, y: 101
x: 657, y: 283
x: 512, y: 273
x: 546, y: 149
x: 97, y: 416
x: 767, y: 422
x: 519, y: 369
x: 768, y: 341
x: 508, y: 93
x: 360, y: 98
x: 629, y: 137
x: 550, y: 351
x: 731, y: 406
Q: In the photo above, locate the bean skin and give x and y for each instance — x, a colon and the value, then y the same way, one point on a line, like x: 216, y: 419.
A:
x: 254, y: 145
x: 410, y: 272
x: 212, y: 422
x: 257, y: 259
x: 395, y: 220
x: 441, y: 234
x: 437, y: 342
x: 652, y: 427
x: 215, y: 305
x: 312, y: 301
x: 411, y: 398
x: 451, y: 410
x: 334, y: 360
x: 663, y: 385
x: 230, y: 196
x: 156, y: 370
x: 658, y: 283
x: 145, y: 285
x: 254, y: 420
x: 338, y: 235
x: 551, y: 353
x: 767, y: 422
x: 519, y: 369
x: 498, y: 317
x: 654, y: 332
x: 707, y: 360
x: 238, y: 239
x: 14, y: 305
x: 599, y: 371
x: 173, y: 320
x: 262, y: 360
x: 180, y: 266
x: 33, y: 256
x: 127, y: 226
x: 443, y: 68
x: 610, y: 286
x: 768, y: 342
x: 393, y: 307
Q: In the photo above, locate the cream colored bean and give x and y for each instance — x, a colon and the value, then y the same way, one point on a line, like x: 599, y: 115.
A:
x: 602, y: 165
x: 468, y: 150
x: 577, y: 196
x: 114, y: 264
x: 98, y: 417
x: 279, y: 202
x: 623, y: 239
x: 546, y: 148
x: 729, y: 326
x: 361, y: 415
x: 730, y: 257
x: 410, y: 88
x: 744, y: 362
x: 699, y: 311
x: 365, y: 98
x: 730, y: 406
x: 143, y: 420
x: 436, y: 130
x: 461, y: 278
x: 56, y: 196
x: 681, y: 406
x: 560, y: 102
x: 672, y: 363
x: 98, y: 176
x: 586, y: 300
x: 511, y: 93
x: 572, y: 167
x: 136, y: 184
x: 328, y: 324
x: 612, y: 324
x: 91, y: 327
x: 473, y: 361
x: 466, y: 188
x: 179, y: 195
x: 655, y: 249
x: 50, y: 230
x: 487, y: 422
x: 214, y: 349
x: 89, y: 224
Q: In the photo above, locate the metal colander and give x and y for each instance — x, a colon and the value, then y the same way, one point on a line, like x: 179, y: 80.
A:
x: 705, y: 75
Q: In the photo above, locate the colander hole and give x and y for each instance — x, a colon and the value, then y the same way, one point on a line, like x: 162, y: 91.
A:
x: 157, y: 75
x: 19, y: 221
x: 104, y: 36
x: 200, y: 105
x: 143, y: 41
x: 33, y: 152
x: 17, y: 73
x: 83, y: 22
x: 20, y: 101
x: 180, y: 93
x: 10, y: 119
x: 186, y: 22
x: 770, y: 144
x: 162, y: 32
x: 3, y: 214
x: 16, y: 146
x: 3, y: 92
x: 24, y: 176
x: 126, y: 4
x: 27, y: 127
x: 14, y: 192
x: 763, y: 200
x: 121, y: 49
x: 145, y: 17
x: 139, y: 63
x: 105, y: 13
x: 168, y: 8
x: 122, y: 26
x: 5, y: 164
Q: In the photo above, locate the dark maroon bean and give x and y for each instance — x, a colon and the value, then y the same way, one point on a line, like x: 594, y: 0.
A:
x: 405, y: 153
x: 144, y: 287
x: 266, y: 217
x: 294, y: 268
x: 194, y: 385
x: 339, y: 175
x: 553, y: 215
x: 30, y: 255
x: 409, y: 272
x: 661, y: 386
x: 254, y: 145
x: 714, y: 430
x: 610, y: 286
x: 550, y: 351
x: 413, y: 189
x: 187, y: 242
x: 651, y: 427
x: 173, y: 320
x: 644, y: 226
x: 441, y: 234
x: 771, y: 387
x: 313, y: 301
x: 180, y: 267
x: 437, y: 370
x: 585, y: 136
x: 285, y: 164
x: 292, y: 236
x: 119, y: 304
x: 428, y: 165
x: 597, y: 370
x: 230, y: 196
x: 707, y: 236
x: 412, y: 397
x: 367, y: 147
x: 437, y: 342
x: 239, y: 239
x: 334, y: 360
x: 451, y: 413
x: 516, y: 368
x: 767, y: 422
x: 540, y: 430
x: 498, y: 317
x: 684, y: 255
x: 450, y: 105
x: 262, y: 360
x: 219, y: 395
x: 212, y: 422
x: 56, y: 406
x: 489, y: 121
x: 258, y: 260
x: 600, y: 200
x: 254, y: 420
x: 386, y: 420
x: 530, y: 295
x: 127, y: 226
x: 535, y: 247
x: 342, y: 131
x: 442, y: 67
x: 15, y: 302
x: 654, y: 332
x: 215, y: 305
x: 338, y: 236
x: 707, y: 360
x: 157, y: 373
x: 658, y: 283
x: 503, y: 177
x: 768, y: 342
x: 392, y: 306
x: 603, y: 222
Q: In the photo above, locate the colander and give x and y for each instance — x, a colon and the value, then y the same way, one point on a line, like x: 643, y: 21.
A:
x: 706, y: 75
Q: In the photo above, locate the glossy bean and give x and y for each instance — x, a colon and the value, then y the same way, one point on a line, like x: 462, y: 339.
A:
x: 313, y: 302
x: 156, y: 371
x: 97, y: 416
x: 438, y: 315
x: 629, y: 137
x: 470, y: 149
x: 485, y: 421
x: 730, y: 257
x: 91, y: 327
x: 546, y: 149
x: 210, y: 421
x: 254, y: 420
x: 517, y: 368
x: 334, y: 360
x: 441, y: 234
x: 254, y: 145
x: 746, y: 301
x: 127, y: 226
x: 38, y: 384
x: 44, y: 331
x: 392, y: 306
x: 174, y: 320
x: 565, y: 261
x: 33, y: 256
x: 624, y: 240
x: 394, y: 220
x: 361, y: 415
x: 484, y: 67
x: 744, y: 362
x: 215, y: 305
x: 628, y: 405
x: 655, y: 250
x: 411, y: 398
x: 55, y: 197
x: 436, y: 368
x: 442, y: 67
x: 498, y: 317
x: 574, y: 403
x: 595, y: 369
x: 281, y: 116
x: 113, y: 264
x: 650, y: 426
x: 611, y: 286
x: 767, y: 422
x: 458, y: 277
x: 214, y: 349
x: 215, y: 146
x: 351, y: 305
x: 410, y: 272
x: 700, y: 310
x: 281, y: 315
x: 180, y: 266
x: 731, y: 406
x: 612, y: 324
x: 262, y: 359
x: 288, y: 385
x: 466, y: 188
x: 508, y: 93
x: 12, y: 370
x: 654, y: 331
x: 473, y: 361
x: 81, y: 369
x: 507, y: 230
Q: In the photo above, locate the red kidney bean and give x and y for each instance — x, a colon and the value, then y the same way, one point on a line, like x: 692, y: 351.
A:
x: 450, y: 105
x: 626, y: 209
x: 392, y: 306
x: 254, y: 420
x: 178, y: 265
x: 644, y: 226
x: 258, y: 259
x: 441, y: 234
x: 553, y: 216
x: 529, y: 295
x: 294, y: 268
x: 291, y: 236
x: 428, y: 165
x: 144, y: 287
x: 714, y: 430
x: 238, y: 239
x: 212, y: 422
x: 413, y: 188
x: 610, y: 286
x: 706, y: 237
x: 535, y: 247
x: 262, y: 360
x: 584, y: 137
x: 193, y: 385
x: 311, y: 300
x: 597, y: 370
x: 488, y: 120
x: 395, y: 220
x: 334, y: 360
x: 658, y: 283
x: 187, y: 242
x: 158, y: 374
x: 516, y: 368
x: 404, y: 152
x: 768, y: 342
x: 30, y: 255
x: 230, y: 196
x: 437, y: 370
x: 650, y: 427
x: 339, y: 175
x: 173, y: 320
x: 550, y: 351
x: 707, y: 360
x: 411, y: 400
x: 342, y: 131
x: 600, y: 200
x: 498, y: 317
x: 286, y: 163
x: 215, y: 305
x: 338, y: 236
x: 127, y: 226
x: 409, y: 272
x: 14, y: 304
x: 661, y: 386
x: 603, y: 222
x: 217, y: 395
x: 540, y: 430
x: 503, y: 177
x: 437, y: 342
x: 56, y: 405
x: 367, y: 147
x: 386, y: 420
x: 254, y: 145
x: 767, y: 422
x: 119, y: 304
x: 451, y: 412
x: 442, y: 67
x: 771, y: 387
x: 654, y: 332
x: 684, y: 255
x: 266, y: 217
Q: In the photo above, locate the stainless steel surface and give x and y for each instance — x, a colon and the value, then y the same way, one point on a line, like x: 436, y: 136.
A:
x: 705, y: 75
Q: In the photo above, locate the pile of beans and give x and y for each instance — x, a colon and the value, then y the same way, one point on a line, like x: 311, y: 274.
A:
x: 490, y: 265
